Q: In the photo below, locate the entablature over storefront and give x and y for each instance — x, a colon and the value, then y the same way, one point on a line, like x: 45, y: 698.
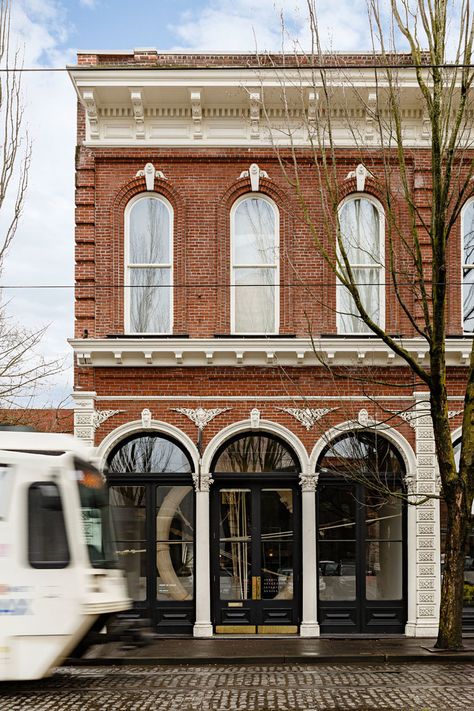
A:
x: 169, y: 352
x: 198, y: 103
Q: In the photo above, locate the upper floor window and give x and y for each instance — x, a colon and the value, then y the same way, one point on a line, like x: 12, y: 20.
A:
x: 255, y: 266
x: 468, y: 267
x: 361, y: 222
x: 148, y: 265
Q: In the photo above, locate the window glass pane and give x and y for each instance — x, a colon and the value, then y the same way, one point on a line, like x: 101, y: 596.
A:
x: 256, y: 453
x: 337, y: 570
x: 149, y: 232
x: 235, y: 544
x: 383, y: 517
x: 384, y: 570
x: 47, y: 539
x: 367, y: 281
x: 337, y: 512
x: 254, y: 238
x: 254, y: 295
x: 128, y: 511
x: 144, y: 454
x: 468, y: 230
x: 277, y: 543
x: 174, y: 542
x: 468, y: 300
x: 360, y: 229
x: 150, y: 300
x: 361, y: 454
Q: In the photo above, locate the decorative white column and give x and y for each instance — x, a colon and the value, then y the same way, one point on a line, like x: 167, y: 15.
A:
x: 309, y: 622
x: 424, y: 552
x: 202, y: 568
x: 84, y: 407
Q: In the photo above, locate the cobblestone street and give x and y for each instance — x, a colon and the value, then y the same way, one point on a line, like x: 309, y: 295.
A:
x: 414, y: 687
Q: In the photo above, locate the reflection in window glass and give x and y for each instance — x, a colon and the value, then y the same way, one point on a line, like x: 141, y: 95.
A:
x: 337, y: 570
x: 359, y: 222
x: 47, y: 539
x: 277, y: 543
x: 128, y: 511
x: 235, y: 544
x: 149, y: 268
x: 255, y: 453
x: 383, y: 573
x: 174, y: 543
x: 254, y: 266
x: 143, y: 454
x: 468, y: 267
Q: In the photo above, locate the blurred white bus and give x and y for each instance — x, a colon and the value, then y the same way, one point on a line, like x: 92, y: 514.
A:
x: 59, y: 575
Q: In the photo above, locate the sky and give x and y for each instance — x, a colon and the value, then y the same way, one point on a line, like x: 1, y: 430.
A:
x: 49, y: 33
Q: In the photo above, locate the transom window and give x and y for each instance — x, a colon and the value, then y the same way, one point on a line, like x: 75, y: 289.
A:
x: 468, y: 267
x: 255, y: 266
x: 149, y: 265
x: 361, y: 223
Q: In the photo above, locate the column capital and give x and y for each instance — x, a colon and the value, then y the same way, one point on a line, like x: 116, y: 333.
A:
x: 309, y: 482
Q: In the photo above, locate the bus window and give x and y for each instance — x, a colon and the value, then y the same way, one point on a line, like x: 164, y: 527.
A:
x: 47, y: 540
x: 96, y: 516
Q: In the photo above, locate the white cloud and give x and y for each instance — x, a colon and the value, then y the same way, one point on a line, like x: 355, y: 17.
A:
x: 226, y: 25
x: 88, y: 3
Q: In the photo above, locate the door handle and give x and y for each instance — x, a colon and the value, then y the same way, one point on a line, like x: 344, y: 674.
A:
x: 256, y: 587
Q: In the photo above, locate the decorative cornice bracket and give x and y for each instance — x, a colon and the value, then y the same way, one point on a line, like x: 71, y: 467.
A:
x: 195, y: 96
x: 136, y: 97
x: 90, y: 102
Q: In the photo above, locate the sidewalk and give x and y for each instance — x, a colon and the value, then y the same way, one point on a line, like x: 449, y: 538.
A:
x: 278, y: 650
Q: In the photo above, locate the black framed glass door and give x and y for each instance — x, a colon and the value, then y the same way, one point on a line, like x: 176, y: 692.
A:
x: 153, y: 507
x: 361, y: 559
x: 255, y: 558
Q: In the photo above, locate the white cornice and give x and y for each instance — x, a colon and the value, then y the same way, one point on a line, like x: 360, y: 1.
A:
x: 169, y: 352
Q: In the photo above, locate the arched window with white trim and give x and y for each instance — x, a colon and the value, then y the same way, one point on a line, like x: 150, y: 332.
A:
x: 255, y: 266
x: 467, y: 222
x: 361, y: 222
x: 148, y: 265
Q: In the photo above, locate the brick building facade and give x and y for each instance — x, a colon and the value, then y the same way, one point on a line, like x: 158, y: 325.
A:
x: 203, y: 318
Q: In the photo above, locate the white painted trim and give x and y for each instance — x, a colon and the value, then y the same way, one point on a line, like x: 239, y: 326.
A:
x: 258, y: 398
x: 276, y: 212
x: 350, y: 350
x: 264, y: 426
x: 380, y: 267
x: 127, y: 212
x: 136, y: 427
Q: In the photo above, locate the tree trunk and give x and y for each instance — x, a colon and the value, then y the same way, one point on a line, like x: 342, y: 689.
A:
x: 450, y: 619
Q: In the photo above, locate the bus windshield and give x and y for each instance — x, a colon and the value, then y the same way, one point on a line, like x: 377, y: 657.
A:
x: 96, y: 516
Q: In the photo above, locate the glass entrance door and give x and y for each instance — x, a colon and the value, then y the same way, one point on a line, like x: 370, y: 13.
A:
x: 255, y: 559
x: 361, y: 559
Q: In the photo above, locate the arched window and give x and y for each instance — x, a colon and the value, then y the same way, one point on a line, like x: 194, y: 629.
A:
x: 255, y: 266
x: 149, y: 454
x: 255, y: 453
x: 468, y: 267
x: 361, y: 222
x: 148, y: 265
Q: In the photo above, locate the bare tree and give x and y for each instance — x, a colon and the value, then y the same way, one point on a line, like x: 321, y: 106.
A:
x: 22, y: 367
x: 417, y: 244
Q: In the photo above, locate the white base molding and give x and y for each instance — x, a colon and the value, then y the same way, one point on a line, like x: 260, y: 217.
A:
x: 309, y: 629
x: 202, y: 629
x: 421, y: 629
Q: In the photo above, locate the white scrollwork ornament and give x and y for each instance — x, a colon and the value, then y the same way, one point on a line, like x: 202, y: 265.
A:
x: 100, y: 416
x: 307, y: 415
x: 200, y: 416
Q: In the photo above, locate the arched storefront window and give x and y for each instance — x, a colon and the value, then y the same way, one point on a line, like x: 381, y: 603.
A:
x: 148, y: 265
x: 361, y: 221
x: 361, y: 524
x: 467, y: 247
x: 255, y: 266
x: 152, y: 500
